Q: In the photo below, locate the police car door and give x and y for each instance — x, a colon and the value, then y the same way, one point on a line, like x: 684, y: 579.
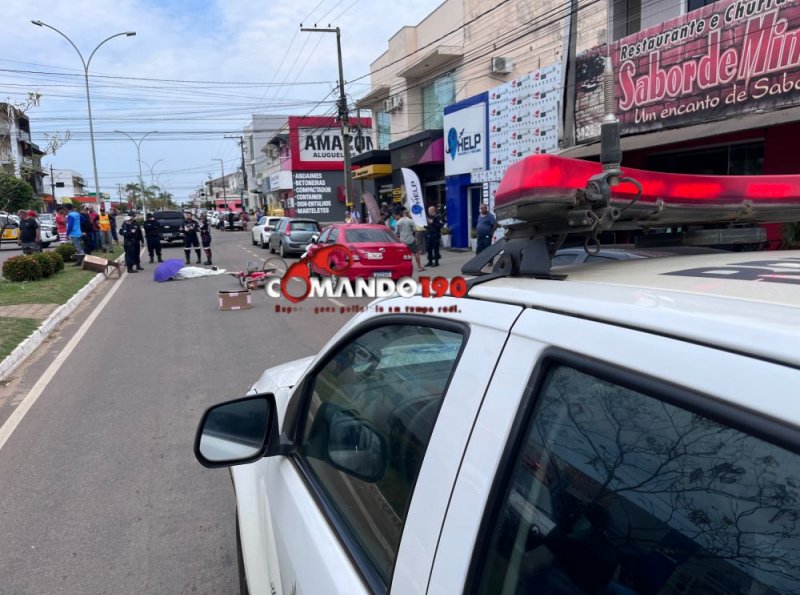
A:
x: 413, y: 383
x: 606, y: 459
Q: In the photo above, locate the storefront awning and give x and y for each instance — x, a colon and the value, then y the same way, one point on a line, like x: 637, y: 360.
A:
x: 677, y: 135
x: 371, y: 172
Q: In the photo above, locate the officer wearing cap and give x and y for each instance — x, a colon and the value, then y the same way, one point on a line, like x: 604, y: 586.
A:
x: 152, y: 235
x: 132, y: 233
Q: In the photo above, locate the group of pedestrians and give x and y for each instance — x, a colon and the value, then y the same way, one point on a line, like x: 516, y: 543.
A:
x: 87, y: 229
x: 195, y: 234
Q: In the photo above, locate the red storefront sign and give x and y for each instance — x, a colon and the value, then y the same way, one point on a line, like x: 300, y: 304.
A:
x: 726, y: 59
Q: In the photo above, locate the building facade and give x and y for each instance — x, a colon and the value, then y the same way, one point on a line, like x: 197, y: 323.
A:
x: 310, y: 181
x: 18, y: 153
x: 475, y: 86
x: 66, y: 183
x: 261, y: 129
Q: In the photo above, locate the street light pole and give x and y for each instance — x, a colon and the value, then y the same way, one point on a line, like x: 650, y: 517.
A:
x: 86, y: 83
x: 344, y: 116
x: 151, y: 168
x: 139, y: 159
x: 224, y: 189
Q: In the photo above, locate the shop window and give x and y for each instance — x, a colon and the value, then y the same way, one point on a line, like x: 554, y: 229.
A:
x: 435, y: 97
x: 384, y: 121
x: 741, y: 159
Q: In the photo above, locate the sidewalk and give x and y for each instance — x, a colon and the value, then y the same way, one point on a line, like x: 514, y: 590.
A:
x: 29, y: 323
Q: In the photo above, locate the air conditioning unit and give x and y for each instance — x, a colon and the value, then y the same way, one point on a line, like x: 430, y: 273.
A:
x: 502, y: 66
x: 392, y: 103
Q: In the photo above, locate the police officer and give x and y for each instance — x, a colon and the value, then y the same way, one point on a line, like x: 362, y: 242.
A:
x: 133, y: 239
x: 152, y: 234
x: 205, y: 237
x: 190, y: 229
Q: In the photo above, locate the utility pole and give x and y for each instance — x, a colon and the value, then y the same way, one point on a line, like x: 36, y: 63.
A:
x: 344, y: 117
x: 240, y: 141
x: 224, y: 189
x: 53, y: 185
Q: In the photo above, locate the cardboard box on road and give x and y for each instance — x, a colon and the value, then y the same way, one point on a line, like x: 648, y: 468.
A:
x: 101, y: 265
x: 235, y: 300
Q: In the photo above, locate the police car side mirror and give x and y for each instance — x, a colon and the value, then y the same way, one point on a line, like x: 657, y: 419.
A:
x: 237, y: 432
x: 347, y: 443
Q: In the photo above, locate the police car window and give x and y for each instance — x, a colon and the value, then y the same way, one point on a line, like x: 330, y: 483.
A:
x: 386, y: 387
x: 596, y: 258
x: 616, y: 492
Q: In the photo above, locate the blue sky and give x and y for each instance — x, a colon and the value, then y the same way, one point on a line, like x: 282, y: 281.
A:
x: 216, y: 62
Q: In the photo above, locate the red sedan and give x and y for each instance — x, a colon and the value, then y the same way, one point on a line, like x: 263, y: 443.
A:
x: 369, y: 251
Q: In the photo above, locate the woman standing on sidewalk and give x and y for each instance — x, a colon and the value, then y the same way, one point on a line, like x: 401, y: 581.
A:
x: 61, y: 225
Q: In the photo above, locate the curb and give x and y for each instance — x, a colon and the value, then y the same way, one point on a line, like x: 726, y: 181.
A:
x: 37, y: 337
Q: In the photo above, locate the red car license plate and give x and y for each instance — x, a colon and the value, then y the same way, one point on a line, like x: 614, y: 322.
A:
x: 382, y: 274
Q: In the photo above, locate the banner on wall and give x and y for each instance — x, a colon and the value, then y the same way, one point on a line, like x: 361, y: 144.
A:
x: 465, y: 140
x: 414, y: 200
x: 725, y: 59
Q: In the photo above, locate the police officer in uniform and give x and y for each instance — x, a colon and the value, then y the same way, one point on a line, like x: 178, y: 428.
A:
x: 152, y: 235
x: 191, y: 229
x: 205, y: 237
x: 133, y: 239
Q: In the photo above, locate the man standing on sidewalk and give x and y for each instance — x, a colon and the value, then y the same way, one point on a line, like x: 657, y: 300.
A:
x: 29, y: 232
x: 433, y: 237
x: 74, y: 233
x: 485, y: 228
x: 104, y: 223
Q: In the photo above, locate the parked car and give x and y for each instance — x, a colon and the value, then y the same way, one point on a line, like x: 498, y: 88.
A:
x: 376, y: 251
x: 170, y: 222
x: 9, y: 224
x: 262, y: 230
x: 47, y: 229
x: 292, y: 236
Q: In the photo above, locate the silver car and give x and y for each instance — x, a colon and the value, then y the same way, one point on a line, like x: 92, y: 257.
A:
x: 292, y: 236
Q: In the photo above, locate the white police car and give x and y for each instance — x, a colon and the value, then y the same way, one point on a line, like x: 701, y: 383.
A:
x: 632, y: 427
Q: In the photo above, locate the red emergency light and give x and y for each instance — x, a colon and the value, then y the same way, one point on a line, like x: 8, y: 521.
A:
x: 548, y: 192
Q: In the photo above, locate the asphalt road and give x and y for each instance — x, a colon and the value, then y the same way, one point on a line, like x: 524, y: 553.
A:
x: 101, y: 492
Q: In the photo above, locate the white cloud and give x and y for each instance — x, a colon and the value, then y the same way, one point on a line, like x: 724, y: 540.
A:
x: 226, y: 40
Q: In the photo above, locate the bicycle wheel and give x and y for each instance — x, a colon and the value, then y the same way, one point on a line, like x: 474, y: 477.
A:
x: 276, y: 266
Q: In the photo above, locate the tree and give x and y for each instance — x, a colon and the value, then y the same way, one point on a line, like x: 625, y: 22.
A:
x: 15, y: 194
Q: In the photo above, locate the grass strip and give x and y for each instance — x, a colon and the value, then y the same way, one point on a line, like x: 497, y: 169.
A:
x: 13, y: 331
x: 56, y: 289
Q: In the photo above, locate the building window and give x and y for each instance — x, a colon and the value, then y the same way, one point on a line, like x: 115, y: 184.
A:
x: 741, y: 159
x: 695, y: 4
x: 384, y: 129
x: 627, y: 17
x: 59, y: 184
x: 435, y: 97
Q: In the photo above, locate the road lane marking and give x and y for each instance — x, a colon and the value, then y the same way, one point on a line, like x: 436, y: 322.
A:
x: 337, y: 302
x: 22, y: 409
